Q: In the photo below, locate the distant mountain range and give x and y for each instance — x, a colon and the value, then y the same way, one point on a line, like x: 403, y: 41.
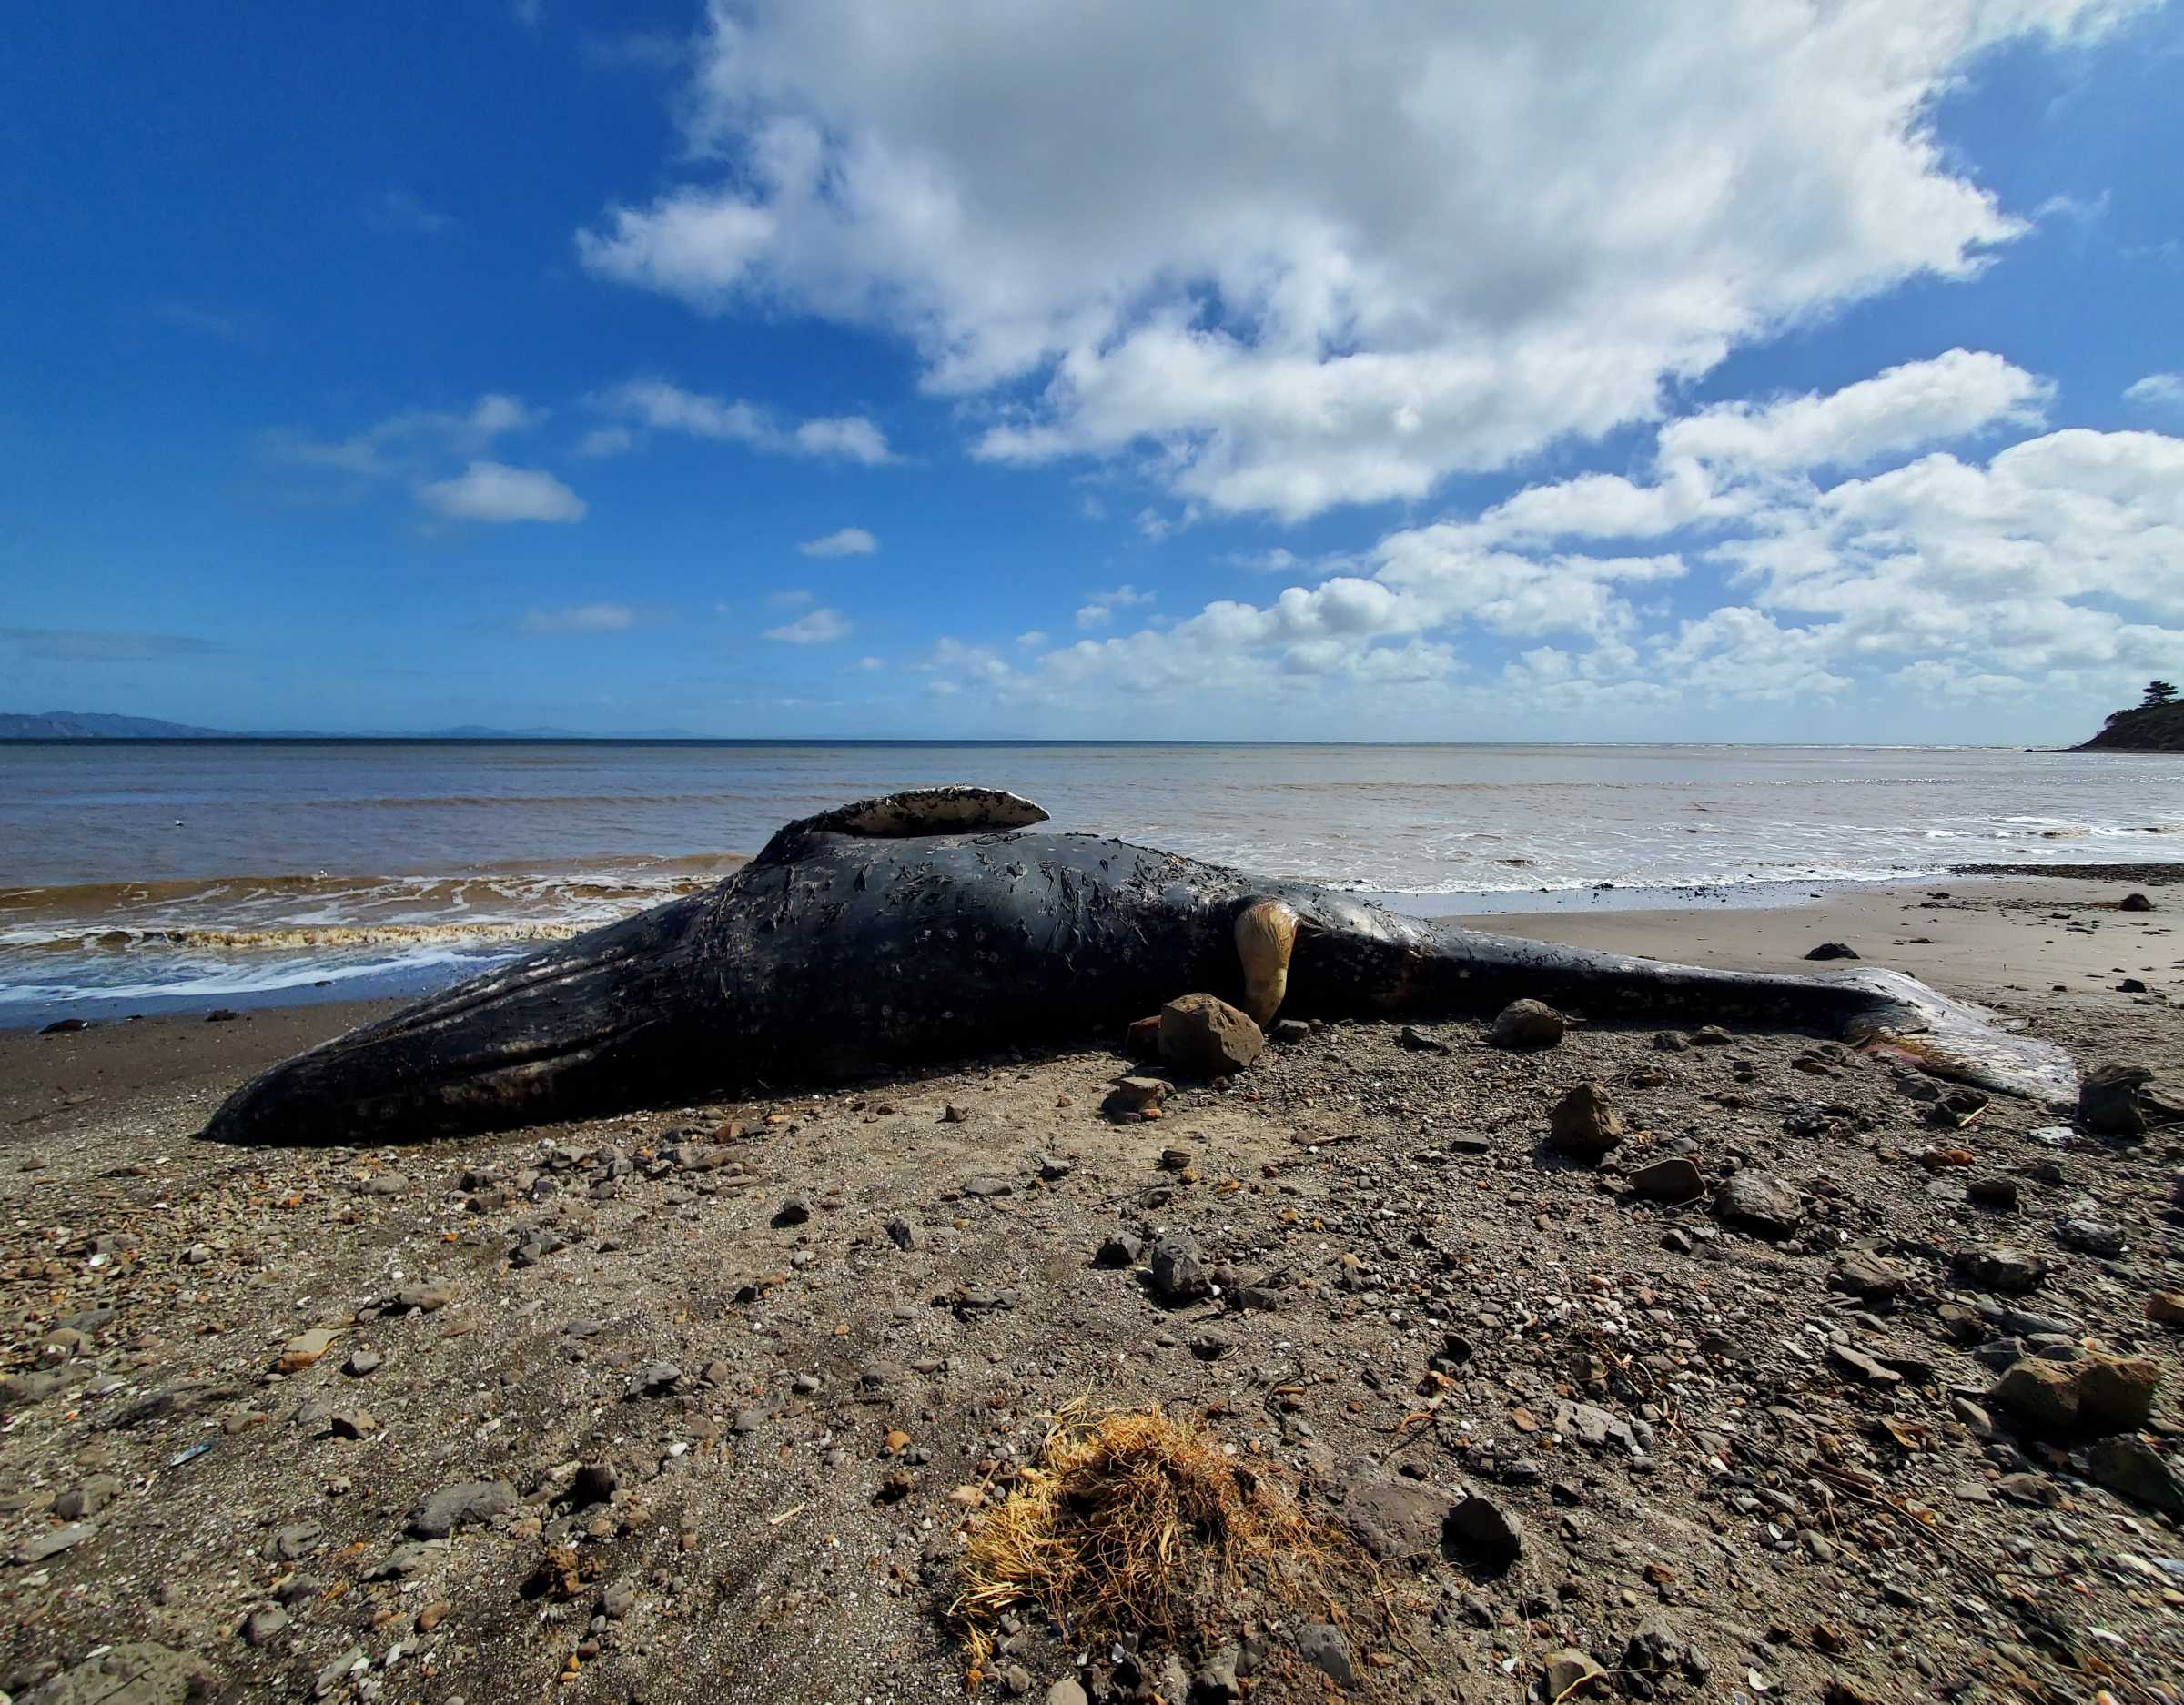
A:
x: 97, y: 725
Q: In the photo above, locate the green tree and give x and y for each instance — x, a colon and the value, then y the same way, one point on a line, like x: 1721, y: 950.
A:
x: 2157, y: 692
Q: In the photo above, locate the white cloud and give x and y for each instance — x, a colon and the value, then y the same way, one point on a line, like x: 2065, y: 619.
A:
x: 1206, y: 252
x: 401, y: 445
x: 870, y: 663
x: 2158, y: 390
x: 1099, y: 608
x: 850, y: 541
x: 817, y: 626
x: 2057, y: 560
x: 792, y: 597
x: 493, y: 492
x: 399, y: 210
x: 1032, y: 637
x: 607, y: 440
x: 581, y: 619
x: 664, y: 408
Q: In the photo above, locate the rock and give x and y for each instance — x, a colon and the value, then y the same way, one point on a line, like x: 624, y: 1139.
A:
x: 303, y: 1349
x: 1863, y: 1273
x: 1290, y: 1029
x: 2132, y: 1468
x: 794, y: 1211
x: 51, y: 1541
x: 1204, y: 1036
x: 1996, y: 1268
x: 1135, y: 1094
x: 2116, y: 1392
x: 1120, y: 1250
x: 2134, y: 903
x: 1066, y: 1693
x: 1862, y: 1367
x: 1178, y: 1275
x: 1141, y: 1040
x: 137, y: 1672
x: 66, y: 1026
x: 1758, y: 1202
x: 1571, y: 1675
x: 1833, y: 950
x: 362, y: 1362
x: 1999, y: 1193
x: 2110, y: 1102
x: 1711, y: 1036
x: 1483, y: 1534
x: 456, y: 1507
x: 87, y: 1499
x: 1420, y: 1041
x: 352, y: 1424
x: 1322, y: 1645
x: 1675, y: 1179
x: 1397, y: 1521
x: 1527, y: 1024
x: 1653, y: 1648
x: 2042, y: 1393
x: 2166, y: 1308
x: 2091, y: 1236
x: 263, y: 1625
x: 335, y: 1673
x: 1584, y: 1123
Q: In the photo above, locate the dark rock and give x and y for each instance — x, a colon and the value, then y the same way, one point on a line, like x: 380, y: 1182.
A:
x: 2134, y: 903
x: 2092, y: 1238
x: 51, y: 1541
x: 66, y: 1026
x: 1120, y: 1250
x: 1290, y: 1029
x: 1204, y: 1036
x: 1397, y: 1521
x: 1527, y: 1024
x: 794, y: 1211
x: 1584, y: 1123
x: 1179, y: 1274
x: 2110, y: 1100
x: 1758, y: 1202
x: 1482, y: 1534
x: 1997, y: 1192
x: 137, y: 1672
x: 1833, y: 950
x: 1422, y: 1042
x: 1322, y: 1645
x: 1674, y: 1179
x: 1995, y: 1268
x: 1863, y: 1273
x: 263, y: 1625
x: 2132, y: 1468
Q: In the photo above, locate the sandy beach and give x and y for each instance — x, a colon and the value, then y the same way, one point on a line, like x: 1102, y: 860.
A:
x: 697, y: 1404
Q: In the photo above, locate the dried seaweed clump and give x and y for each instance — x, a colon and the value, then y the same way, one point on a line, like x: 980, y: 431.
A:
x: 1141, y: 1524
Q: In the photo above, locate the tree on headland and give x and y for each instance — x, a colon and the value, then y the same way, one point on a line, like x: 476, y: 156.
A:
x: 2157, y: 692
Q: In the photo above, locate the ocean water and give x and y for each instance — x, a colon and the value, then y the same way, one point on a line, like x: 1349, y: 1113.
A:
x: 137, y: 875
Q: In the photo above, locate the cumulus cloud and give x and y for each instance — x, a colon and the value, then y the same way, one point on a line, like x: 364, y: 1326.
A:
x: 1204, y: 252
x: 1943, y: 571
x: 817, y: 626
x: 493, y: 492
x: 2158, y: 390
x: 655, y: 404
x: 580, y: 619
x: 849, y: 541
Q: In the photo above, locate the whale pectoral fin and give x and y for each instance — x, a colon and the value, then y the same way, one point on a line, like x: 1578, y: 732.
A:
x: 956, y: 809
x: 1955, y: 1040
x: 1266, y: 936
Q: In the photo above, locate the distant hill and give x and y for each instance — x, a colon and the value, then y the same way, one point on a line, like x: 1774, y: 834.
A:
x: 95, y: 725
x: 2150, y: 728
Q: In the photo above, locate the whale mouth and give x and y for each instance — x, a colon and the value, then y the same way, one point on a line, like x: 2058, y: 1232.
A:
x: 562, y: 1035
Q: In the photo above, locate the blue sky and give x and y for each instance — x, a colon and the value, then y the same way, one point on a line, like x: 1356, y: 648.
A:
x: 1096, y: 371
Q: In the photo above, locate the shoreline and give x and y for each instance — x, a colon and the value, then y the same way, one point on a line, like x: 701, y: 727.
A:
x: 1753, y: 926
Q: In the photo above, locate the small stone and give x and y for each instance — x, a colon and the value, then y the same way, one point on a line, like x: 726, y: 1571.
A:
x: 2043, y: 1394
x: 352, y: 1424
x: 1758, y: 1202
x: 2166, y: 1308
x: 2132, y: 1468
x: 339, y: 1671
x: 1584, y: 1123
x: 1997, y: 1192
x: 1527, y: 1025
x: 2134, y: 903
x: 1571, y: 1674
x: 1833, y: 950
x: 2110, y: 1100
x: 265, y: 1624
x: 1865, y: 1274
x: 87, y: 1499
x: 1134, y: 1094
x: 456, y: 1507
x: 1674, y: 1179
x: 1067, y: 1692
x: 1179, y: 1274
x: 1420, y: 1041
x: 362, y: 1362
x: 1204, y: 1036
x: 1286, y: 1030
x: 1120, y: 1250
x: 2092, y: 1238
x: 1483, y: 1534
x: 1322, y: 1645
x: 53, y: 1542
x: 2116, y: 1392
x: 794, y: 1211
x: 304, y: 1349
x: 1996, y: 1268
